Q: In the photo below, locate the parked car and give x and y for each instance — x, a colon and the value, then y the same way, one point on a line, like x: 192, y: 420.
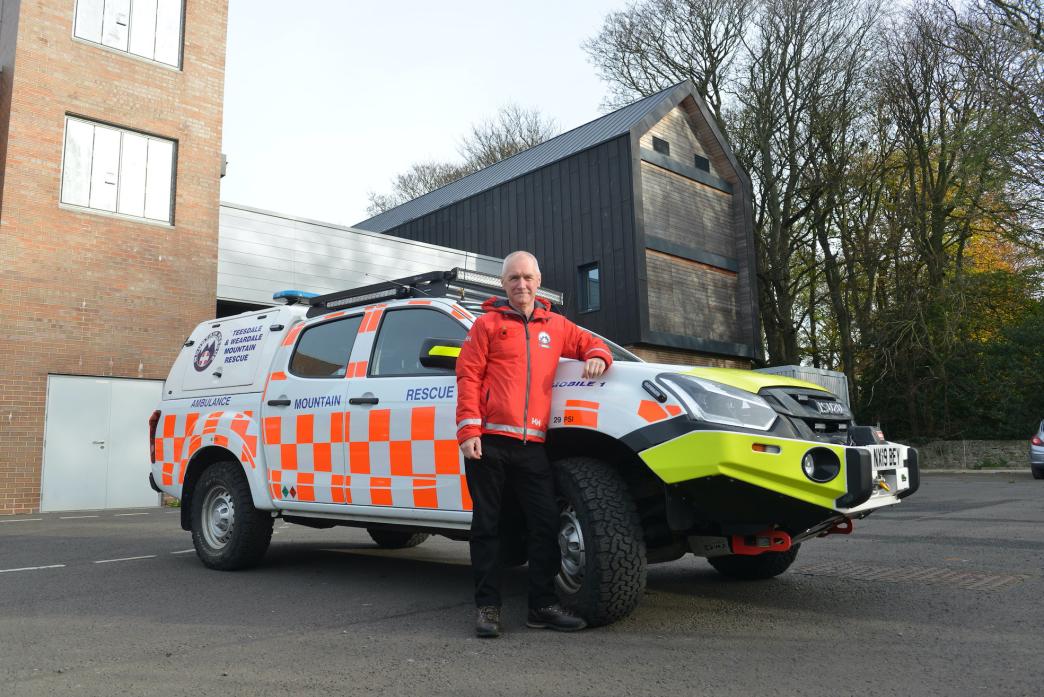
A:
x: 1036, y: 452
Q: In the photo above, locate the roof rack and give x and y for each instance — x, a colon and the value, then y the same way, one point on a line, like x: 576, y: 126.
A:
x: 463, y: 285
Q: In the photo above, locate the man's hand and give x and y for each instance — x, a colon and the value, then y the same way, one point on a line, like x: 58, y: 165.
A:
x: 472, y: 448
x: 593, y: 367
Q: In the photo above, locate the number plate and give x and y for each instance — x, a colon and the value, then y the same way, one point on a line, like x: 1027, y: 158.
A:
x: 832, y: 408
x: 885, y: 457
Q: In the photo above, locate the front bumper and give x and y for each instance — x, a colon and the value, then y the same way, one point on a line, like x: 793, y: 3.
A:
x: 866, y: 479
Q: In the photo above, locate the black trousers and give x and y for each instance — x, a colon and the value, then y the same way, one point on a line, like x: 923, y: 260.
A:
x: 525, y: 467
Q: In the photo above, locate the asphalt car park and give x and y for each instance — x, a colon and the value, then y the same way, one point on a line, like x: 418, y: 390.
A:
x: 937, y: 596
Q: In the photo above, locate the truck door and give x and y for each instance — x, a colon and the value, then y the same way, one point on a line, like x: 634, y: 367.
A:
x: 403, y: 437
x: 304, y: 415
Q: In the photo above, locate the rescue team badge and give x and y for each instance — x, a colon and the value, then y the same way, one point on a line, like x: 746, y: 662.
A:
x: 207, y: 351
x: 545, y: 340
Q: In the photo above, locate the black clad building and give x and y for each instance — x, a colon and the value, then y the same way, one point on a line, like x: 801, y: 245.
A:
x: 643, y: 218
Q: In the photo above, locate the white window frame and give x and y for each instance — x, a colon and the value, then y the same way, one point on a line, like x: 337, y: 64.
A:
x: 150, y: 38
x: 121, y: 167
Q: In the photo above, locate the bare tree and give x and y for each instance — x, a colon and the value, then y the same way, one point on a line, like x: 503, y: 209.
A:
x: 657, y: 43
x: 511, y: 131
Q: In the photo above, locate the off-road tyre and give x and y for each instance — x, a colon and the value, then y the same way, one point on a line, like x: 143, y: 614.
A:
x: 756, y: 568
x: 227, y: 531
x: 606, y: 582
x: 396, y: 539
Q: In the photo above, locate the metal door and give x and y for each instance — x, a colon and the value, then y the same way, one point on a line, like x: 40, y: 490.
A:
x: 96, y: 443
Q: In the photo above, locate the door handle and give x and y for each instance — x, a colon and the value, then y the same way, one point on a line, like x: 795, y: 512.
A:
x: 97, y: 442
x: 279, y: 402
x: 363, y: 400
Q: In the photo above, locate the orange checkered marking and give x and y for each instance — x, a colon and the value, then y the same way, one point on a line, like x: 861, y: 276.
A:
x: 338, y: 426
x: 159, y: 450
x: 380, y: 421
x: 291, y: 336
x: 211, y: 424
x: 305, y: 486
x: 169, y: 423
x: 380, y: 491
x: 335, y: 315
x: 190, y: 422
x: 422, y: 423
x: 447, y: 457
x: 322, y: 457
x: 273, y: 430
x: 425, y: 494
x: 275, y: 478
x: 579, y: 412
x: 581, y: 404
x: 465, y: 495
x: 419, y: 302
x: 305, y: 428
x: 288, y: 456
x: 339, y: 489
x: 673, y: 409
x: 356, y: 369
x: 651, y: 411
x: 221, y: 440
x: 359, y: 457
x: 276, y: 376
x: 371, y: 318
x: 168, y: 474
x: 458, y: 314
x: 401, y: 454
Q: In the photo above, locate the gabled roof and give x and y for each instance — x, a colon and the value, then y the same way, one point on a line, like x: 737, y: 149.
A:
x: 612, y: 125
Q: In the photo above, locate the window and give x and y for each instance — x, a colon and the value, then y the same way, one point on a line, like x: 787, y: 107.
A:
x: 323, y: 350
x: 661, y: 146
x: 400, y: 337
x: 701, y: 162
x: 110, y: 169
x: 147, y: 28
x: 590, y: 297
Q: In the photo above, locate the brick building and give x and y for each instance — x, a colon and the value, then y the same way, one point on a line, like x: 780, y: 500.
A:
x: 110, y: 162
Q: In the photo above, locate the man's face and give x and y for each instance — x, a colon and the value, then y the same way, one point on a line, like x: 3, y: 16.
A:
x: 521, y: 280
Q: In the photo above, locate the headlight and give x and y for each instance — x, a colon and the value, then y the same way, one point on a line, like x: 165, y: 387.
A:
x: 714, y: 402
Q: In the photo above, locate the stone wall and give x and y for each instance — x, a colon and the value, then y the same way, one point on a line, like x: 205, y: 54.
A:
x: 974, y: 454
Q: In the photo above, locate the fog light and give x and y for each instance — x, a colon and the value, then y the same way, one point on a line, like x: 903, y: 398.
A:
x: 820, y: 465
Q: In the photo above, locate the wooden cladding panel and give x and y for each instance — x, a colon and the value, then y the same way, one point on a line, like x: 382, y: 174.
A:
x: 572, y: 212
x: 677, y: 129
x: 692, y: 299
x: 720, y: 164
x: 687, y: 212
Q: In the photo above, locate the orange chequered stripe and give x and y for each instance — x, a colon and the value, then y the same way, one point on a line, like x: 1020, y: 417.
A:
x: 465, y: 495
x: 158, y: 444
x: 221, y: 440
x: 419, y: 302
x: 338, y: 490
x: 422, y: 423
x: 359, y: 457
x: 425, y: 495
x: 291, y: 336
x: 379, y: 425
x: 582, y: 404
x: 338, y: 426
x: 211, y: 424
x: 305, y: 427
x: 356, y: 369
x: 168, y: 473
x: 322, y: 457
x: 458, y: 314
x: 673, y: 409
x: 335, y: 315
x: 273, y: 431
x: 190, y: 422
x: 288, y: 456
x: 305, y: 486
x: 447, y: 457
x: 276, y: 479
x: 168, y: 425
x: 371, y: 319
x: 380, y: 491
x: 401, y: 454
x: 276, y: 376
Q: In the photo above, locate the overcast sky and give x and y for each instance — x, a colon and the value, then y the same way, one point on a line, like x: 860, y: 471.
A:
x: 326, y: 100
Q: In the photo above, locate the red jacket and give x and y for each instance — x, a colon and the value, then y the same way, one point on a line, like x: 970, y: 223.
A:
x: 507, y: 365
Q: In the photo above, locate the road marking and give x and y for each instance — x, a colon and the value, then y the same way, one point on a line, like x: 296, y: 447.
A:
x: 32, y: 568
x: 20, y: 520
x: 109, y: 561
x: 184, y: 551
x: 118, y: 515
x: 74, y: 517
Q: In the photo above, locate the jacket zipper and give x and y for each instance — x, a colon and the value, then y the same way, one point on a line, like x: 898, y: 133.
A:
x: 525, y: 411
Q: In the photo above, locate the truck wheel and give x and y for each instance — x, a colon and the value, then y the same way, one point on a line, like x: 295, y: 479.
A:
x: 761, y: 566
x: 602, y: 576
x: 396, y: 539
x: 227, y: 531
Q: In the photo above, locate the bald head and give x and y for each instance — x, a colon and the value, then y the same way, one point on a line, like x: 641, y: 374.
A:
x: 521, y: 278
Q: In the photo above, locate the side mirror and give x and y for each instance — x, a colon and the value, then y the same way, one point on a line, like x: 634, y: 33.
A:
x: 440, y: 353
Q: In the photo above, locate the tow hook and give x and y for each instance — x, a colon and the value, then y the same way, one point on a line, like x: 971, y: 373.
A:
x: 842, y: 527
x: 759, y: 543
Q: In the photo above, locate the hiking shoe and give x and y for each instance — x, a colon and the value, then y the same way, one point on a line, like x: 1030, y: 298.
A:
x: 487, y: 625
x: 554, y: 617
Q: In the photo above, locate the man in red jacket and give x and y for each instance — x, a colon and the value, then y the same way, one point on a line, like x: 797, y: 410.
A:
x: 504, y: 376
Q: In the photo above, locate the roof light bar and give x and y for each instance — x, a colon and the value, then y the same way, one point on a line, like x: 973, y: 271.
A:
x: 293, y: 297
x: 363, y: 298
x: 490, y: 281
